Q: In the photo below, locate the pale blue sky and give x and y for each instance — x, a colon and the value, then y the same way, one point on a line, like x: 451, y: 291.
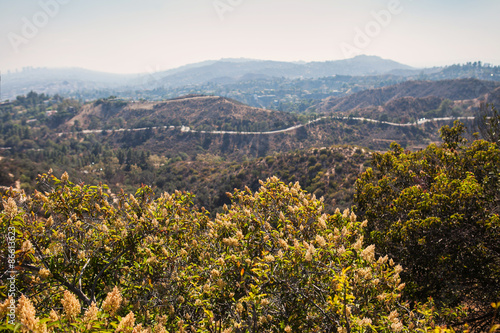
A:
x: 131, y: 36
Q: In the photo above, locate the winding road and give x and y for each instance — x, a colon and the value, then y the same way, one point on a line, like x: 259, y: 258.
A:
x: 187, y: 129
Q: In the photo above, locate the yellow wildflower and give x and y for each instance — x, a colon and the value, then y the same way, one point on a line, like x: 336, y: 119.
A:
x: 71, y: 305
x: 112, y: 302
x: 369, y: 253
x: 127, y: 323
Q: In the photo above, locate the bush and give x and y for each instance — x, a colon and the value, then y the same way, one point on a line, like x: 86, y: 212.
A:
x: 271, y: 262
x: 436, y: 212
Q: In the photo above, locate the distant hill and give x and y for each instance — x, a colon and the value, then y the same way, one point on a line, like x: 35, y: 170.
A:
x: 412, y: 99
x: 493, y: 97
x: 71, y: 80
x: 360, y: 65
x: 58, y: 81
x: 447, y: 89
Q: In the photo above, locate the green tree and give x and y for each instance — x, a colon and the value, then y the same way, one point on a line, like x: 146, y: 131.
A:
x: 271, y: 262
x: 436, y: 212
x: 87, y: 242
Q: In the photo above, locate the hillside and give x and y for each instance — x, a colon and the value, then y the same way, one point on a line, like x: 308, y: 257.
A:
x: 411, y: 100
x: 328, y: 172
x: 90, y: 142
x: 198, y: 112
x: 195, y: 125
x: 460, y: 89
x: 208, y: 164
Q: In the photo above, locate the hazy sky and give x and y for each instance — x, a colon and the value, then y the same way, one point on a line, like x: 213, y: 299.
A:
x: 131, y: 36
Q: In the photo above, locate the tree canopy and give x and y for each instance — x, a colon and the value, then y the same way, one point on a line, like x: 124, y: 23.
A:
x: 436, y: 211
x: 273, y: 261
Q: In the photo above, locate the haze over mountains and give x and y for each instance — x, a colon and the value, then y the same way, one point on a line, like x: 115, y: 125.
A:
x: 258, y: 83
x: 71, y: 79
x: 361, y: 65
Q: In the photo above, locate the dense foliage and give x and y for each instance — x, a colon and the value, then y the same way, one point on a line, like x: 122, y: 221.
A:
x: 436, y: 211
x: 272, y: 262
x: 276, y: 259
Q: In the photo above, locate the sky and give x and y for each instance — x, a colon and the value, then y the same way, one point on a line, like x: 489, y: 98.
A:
x: 140, y: 36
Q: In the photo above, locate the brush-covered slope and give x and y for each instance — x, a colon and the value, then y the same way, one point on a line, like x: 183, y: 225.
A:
x: 462, y: 89
x: 411, y: 100
x: 210, y: 113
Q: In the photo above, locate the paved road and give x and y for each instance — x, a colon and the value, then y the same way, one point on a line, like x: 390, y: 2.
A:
x: 186, y: 129
x: 419, y: 122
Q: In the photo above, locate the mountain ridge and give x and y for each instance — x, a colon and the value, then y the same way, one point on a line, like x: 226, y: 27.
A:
x: 65, y: 80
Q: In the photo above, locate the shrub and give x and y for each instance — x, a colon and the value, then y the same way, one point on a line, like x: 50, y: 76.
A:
x: 271, y: 262
x: 436, y: 212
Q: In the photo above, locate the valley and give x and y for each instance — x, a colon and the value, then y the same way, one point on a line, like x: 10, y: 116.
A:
x: 209, y: 145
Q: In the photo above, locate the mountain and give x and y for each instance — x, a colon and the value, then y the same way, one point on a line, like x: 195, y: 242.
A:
x: 189, y: 143
x: 70, y: 80
x: 198, y: 125
x: 360, y: 65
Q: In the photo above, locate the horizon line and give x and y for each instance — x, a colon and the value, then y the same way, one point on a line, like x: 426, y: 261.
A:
x: 243, y: 59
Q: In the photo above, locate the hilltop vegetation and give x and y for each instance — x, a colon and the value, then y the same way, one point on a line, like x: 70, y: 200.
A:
x: 436, y: 211
x: 206, y: 113
x: 271, y: 262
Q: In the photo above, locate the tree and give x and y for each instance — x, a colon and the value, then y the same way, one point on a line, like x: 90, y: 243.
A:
x: 86, y: 242
x: 271, y: 262
x: 436, y: 212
